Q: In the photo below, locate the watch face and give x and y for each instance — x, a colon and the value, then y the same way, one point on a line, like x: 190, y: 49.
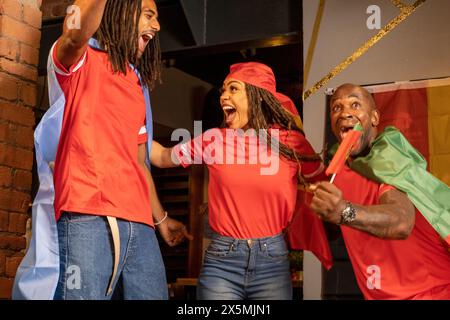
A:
x: 349, y: 213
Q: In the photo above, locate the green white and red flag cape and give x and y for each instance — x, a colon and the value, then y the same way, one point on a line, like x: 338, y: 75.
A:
x: 393, y: 160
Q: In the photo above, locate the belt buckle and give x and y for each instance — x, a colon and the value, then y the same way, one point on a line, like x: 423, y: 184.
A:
x: 249, y: 242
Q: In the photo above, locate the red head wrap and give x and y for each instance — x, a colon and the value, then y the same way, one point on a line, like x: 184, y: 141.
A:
x: 261, y: 76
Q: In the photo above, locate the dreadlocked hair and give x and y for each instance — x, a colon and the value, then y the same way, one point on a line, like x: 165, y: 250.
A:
x: 264, y: 112
x: 119, y: 36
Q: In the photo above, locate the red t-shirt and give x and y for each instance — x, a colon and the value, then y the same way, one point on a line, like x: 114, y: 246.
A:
x: 96, y: 167
x: 415, y: 268
x: 251, y: 193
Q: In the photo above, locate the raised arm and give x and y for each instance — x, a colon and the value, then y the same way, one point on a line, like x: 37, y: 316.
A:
x: 392, y: 218
x: 72, y: 43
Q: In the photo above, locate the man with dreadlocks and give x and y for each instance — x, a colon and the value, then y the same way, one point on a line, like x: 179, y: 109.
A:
x: 249, y: 207
x: 104, y: 193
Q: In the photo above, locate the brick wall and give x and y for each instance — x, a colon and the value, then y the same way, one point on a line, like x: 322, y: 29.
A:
x: 55, y: 8
x: 20, y: 23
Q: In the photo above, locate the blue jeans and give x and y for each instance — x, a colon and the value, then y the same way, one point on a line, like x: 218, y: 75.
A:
x: 87, y: 258
x: 235, y: 269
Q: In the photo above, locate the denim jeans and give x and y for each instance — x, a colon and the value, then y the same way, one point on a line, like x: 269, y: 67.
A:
x: 87, y: 258
x: 235, y: 269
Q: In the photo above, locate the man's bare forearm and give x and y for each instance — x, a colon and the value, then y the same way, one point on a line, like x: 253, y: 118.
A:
x: 157, y: 209
x: 73, y: 41
x: 393, y: 218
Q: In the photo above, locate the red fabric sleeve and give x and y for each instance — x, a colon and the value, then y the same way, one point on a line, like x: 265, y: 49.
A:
x: 62, y: 71
x: 312, y: 170
x: 142, y: 136
x: 384, y: 188
x: 307, y: 232
x: 195, y: 151
x: 190, y: 152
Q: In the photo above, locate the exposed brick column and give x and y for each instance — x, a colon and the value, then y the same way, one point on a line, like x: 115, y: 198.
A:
x: 55, y: 8
x: 20, y: 23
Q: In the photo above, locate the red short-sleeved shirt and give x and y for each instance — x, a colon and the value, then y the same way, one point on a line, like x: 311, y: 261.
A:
x: 96, y: 167
x: 415, y: 268
x: 248, y: 198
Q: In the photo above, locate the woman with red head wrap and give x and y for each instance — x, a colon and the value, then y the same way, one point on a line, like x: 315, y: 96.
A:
x: 250, y: 205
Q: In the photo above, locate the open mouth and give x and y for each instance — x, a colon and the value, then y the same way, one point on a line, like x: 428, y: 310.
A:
x: 344, y: 129
x: 230, y: 113
x: 147, y: 37
x: 144, y: 39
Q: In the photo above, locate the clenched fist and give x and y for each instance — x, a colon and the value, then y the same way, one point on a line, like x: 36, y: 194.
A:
x: 327, y: 202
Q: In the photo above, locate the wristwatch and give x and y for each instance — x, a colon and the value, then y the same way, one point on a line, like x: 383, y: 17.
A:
x: 348, y: 214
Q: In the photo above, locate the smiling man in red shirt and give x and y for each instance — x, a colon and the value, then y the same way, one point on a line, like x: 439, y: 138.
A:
x: 395, y: 252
